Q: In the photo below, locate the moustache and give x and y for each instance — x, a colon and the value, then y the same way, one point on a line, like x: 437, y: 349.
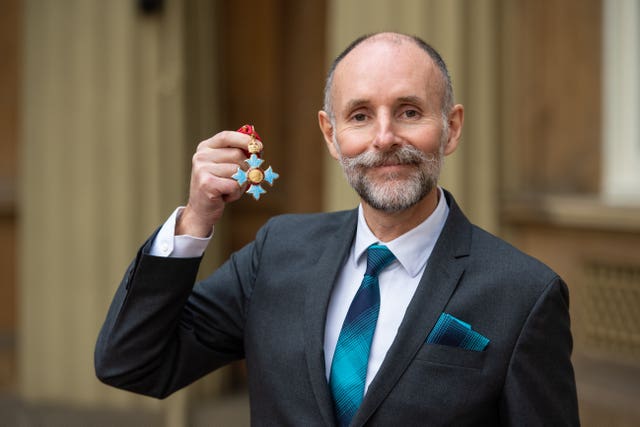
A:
x: 404, y: 155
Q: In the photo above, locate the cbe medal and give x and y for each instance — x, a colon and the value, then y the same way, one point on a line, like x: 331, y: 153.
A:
x: 254, y: 175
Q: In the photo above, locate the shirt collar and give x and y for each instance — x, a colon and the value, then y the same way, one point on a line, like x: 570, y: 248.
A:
x: 413, y: 248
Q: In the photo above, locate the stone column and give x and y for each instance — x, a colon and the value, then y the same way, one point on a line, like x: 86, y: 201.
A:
x: 465, y: 33
x: 103, y: 162
x: 621, y: 130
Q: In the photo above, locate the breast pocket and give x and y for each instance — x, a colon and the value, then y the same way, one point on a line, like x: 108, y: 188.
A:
x: 451, y: 356
x: 443, y: 384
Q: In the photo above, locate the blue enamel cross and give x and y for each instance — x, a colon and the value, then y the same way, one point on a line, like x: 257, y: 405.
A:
x: 254, y: 175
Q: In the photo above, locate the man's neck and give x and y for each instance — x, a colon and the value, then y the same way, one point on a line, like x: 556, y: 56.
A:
x: 388, y: 226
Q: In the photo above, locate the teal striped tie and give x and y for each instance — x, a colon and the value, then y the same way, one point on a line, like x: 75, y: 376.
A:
x: 350, y: 360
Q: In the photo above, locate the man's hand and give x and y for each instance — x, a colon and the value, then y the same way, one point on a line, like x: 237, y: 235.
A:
x: 215, y: 160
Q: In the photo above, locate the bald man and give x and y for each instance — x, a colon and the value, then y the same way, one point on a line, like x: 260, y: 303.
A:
x: 399, y: 312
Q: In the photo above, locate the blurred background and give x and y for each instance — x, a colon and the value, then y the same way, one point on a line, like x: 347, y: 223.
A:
x: 102, y: 104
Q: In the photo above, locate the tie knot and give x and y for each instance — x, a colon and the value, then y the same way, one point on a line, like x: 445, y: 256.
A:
x: 378, y: 257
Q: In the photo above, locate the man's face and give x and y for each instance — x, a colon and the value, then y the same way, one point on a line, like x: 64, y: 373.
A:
x: 397, y: 191
x: 389, y: 132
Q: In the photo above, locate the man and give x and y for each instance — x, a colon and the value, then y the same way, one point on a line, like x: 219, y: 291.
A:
x: 450, y: 325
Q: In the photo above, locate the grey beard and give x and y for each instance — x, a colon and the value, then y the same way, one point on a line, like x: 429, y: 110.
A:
x: 394, y: 195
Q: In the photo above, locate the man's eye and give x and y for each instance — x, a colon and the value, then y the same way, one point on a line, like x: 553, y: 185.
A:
x: 411, y: 113
x: 359, y: 117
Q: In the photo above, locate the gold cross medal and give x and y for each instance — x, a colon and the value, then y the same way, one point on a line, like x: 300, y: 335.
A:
x: 254, y: 175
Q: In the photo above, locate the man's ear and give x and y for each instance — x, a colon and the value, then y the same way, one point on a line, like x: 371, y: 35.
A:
x: 455, y: 122
x: 326, y: 127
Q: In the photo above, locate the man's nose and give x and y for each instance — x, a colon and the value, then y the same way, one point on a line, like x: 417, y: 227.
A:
x: 386, y: 136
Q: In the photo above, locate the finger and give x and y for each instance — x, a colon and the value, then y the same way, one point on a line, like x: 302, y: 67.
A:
x: 219, y: 155
x: 227, y: 139
x: 216, y: 179
x: 226, y: 188
x: 222, y: 170
x: 233, y: 196
x: 214, y: 186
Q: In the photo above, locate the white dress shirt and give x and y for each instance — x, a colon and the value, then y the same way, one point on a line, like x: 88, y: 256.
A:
x: 398, y: 282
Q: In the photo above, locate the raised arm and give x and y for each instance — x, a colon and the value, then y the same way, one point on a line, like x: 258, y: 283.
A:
x: 160, y: 334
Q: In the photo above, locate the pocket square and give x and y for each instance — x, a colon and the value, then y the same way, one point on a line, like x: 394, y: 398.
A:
x: 456, y: 333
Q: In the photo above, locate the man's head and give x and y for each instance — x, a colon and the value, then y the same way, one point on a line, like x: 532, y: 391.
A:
x: 447, y: 87
x: 389, y: 118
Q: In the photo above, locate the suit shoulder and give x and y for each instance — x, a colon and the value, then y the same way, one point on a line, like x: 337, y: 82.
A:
x: 500, y: 256
x: 503, y: 276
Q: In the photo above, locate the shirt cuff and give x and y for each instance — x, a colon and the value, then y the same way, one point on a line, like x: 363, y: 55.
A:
x: 167, y: 244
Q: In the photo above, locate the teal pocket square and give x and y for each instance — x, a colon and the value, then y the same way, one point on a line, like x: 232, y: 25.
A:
x: 456, y: 333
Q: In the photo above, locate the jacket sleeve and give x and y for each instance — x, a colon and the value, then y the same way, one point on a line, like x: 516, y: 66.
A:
x: 540, y: 386
x: 161, y: 332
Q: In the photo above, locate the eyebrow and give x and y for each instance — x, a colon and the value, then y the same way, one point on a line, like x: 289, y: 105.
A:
x: 355, y: 103
x: 359, y: 102
x: 411, y: 100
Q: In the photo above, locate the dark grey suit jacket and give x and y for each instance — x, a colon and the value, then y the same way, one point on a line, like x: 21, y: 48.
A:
x: 268, y: 304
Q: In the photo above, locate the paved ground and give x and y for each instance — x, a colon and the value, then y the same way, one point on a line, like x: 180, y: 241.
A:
x: 230, y: 411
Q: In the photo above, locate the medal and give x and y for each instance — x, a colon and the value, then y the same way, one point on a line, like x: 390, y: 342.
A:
x: 254, y: 175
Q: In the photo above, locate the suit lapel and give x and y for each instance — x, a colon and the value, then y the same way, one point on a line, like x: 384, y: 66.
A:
x: 441, y: 276
x: 322, y: 277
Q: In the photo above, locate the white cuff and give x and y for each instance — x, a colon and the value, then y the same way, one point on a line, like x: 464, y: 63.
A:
x: 167, y: 244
